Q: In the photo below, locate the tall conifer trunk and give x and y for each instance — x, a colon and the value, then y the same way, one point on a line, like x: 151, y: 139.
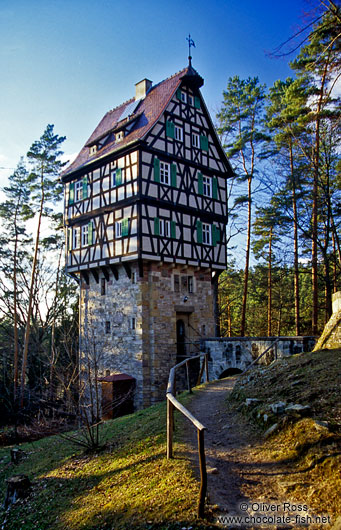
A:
x: 295, y: 223
x: 31, y: 291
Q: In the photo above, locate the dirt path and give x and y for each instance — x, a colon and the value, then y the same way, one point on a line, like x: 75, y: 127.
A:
x: 232, y: 447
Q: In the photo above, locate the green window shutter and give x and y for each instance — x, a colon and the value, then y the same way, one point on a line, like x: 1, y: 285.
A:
x: 118, y: 176
x: 125, y: 227
x: 173, y: 229
x: 204, y: 142
x: 178, y: 94
x: 72, y: 193
x: 215, y: 188
x: 170, y: 129
x: 156, y: 226
x: 200, y: 184
x: 196, y: 102
x: 173, y: 175
x: 199, y: 232
x: 156, y: 170
x: 215, y: 235
x: 90, y: 233
x: 85, y: 188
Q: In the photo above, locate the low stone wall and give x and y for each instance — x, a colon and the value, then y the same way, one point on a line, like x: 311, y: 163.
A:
x: 236, y: 353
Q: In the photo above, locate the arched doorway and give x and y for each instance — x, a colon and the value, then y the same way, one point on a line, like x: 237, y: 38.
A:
x: 229, y: 372
x: 180, y: 340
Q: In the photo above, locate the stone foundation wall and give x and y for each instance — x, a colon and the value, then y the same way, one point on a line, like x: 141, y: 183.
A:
x: 132, y: 328
x: 239, y: 352
x: 163, y: 306
x: 106, y: 326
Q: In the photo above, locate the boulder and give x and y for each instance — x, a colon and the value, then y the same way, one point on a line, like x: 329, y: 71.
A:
x: 298, y: 410
x: 278, y: 408
x: 271, y: 430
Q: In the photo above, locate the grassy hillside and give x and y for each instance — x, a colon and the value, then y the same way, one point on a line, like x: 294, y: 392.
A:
x: 129, y: 484
x: 308, y: 443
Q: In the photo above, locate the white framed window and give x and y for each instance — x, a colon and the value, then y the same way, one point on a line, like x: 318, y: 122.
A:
x: 206, y: 234
x: 196, y: 140
x: 118, y: 229
x: 165, y: 173
x: 183, y: 97
x: 207, y: 186
x: 116, y: 177
x: 164, y: 228
x: 79, y: 190
x: 85, y: 235
x: 93, y: 150
x: 119, y: 136
x: 178, y: 133
x: 75, y: 238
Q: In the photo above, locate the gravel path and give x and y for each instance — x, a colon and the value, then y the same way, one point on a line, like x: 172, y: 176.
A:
x: 236, y: 474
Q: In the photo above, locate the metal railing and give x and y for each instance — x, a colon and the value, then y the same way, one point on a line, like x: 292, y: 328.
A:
x: 172, y: 403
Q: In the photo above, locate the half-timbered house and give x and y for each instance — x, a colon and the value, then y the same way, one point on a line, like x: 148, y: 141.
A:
x: 145, y: 217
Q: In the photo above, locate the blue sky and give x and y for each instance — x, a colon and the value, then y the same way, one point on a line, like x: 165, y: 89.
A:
x: 67, y: 62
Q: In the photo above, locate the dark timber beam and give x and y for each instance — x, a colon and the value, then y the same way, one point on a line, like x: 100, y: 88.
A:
x: 95, y: 275
x: 114, y: 271
x: 106, y: 273
x: 127, y: 269
x: 85, y: 277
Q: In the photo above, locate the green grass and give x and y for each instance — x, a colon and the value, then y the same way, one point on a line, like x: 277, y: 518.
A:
x: 128, y: 484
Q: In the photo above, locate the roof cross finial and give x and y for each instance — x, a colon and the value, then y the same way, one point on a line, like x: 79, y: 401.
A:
x: 190, y: 45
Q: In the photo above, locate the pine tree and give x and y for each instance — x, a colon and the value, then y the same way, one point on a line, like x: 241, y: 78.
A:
x: 14, y: 213
x: 46, y: 189
x: 240, y: 126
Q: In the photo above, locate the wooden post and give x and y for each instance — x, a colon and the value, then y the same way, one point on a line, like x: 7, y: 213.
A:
x: 188, y: 381
x: 201, y: 372
x: 203, y: 473
x: 206, y: 368
x: 170, y: 428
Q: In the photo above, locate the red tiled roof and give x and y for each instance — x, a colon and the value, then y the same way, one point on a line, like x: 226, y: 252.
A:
x: 148, y: 113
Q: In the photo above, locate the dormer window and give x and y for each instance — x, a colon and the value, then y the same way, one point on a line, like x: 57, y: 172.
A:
x: 119, y: 136
x: 93, y: 150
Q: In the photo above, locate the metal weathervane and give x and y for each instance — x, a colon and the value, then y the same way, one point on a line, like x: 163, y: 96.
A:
x: 191, y: 44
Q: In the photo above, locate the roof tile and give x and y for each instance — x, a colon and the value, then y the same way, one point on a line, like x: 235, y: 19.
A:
x: 147, y: 114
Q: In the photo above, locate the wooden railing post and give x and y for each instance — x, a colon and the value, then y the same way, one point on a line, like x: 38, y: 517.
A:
x: 206, y: 368
x: 170, y: 428
x: 203, y: 473
x: 188, y: 381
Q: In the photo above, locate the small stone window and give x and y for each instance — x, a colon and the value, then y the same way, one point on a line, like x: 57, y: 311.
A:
x: 107, y: 326
x: 103, y: 287
x: 190, y: 284
x: 176, y: 283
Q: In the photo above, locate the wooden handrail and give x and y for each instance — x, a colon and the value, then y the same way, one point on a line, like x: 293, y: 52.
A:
x: 172, y: 403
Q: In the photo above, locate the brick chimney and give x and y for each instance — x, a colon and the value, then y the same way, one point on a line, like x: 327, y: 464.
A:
x: 142, y: 88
